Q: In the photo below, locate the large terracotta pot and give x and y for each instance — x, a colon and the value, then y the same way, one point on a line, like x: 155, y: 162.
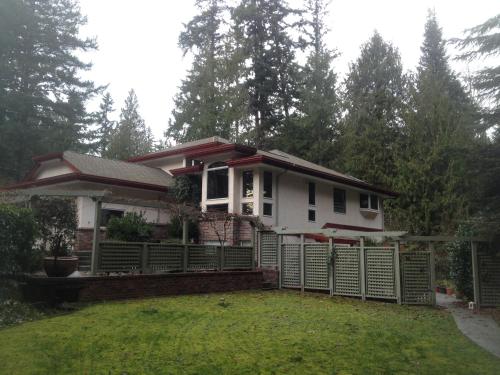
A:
x: 61, y: 267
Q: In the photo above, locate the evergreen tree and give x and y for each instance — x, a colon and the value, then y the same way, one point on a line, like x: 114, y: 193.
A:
x: 440, y: 134
x: 42, y: 97
x: 314, y: 135
x: 131, y: 137
x: 373, y: 102
x: 106, y: 126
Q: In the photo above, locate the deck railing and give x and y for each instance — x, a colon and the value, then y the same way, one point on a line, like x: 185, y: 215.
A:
x: 114, y: 256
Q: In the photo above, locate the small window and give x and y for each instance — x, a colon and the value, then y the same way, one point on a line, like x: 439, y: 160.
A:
x: 268, y: 184
x: 312, y: 193
x: 247, y: 184
x: 339, y: 201
x: 373, y: 202
x: 268, y: 209
x: 311, y: 215
x: 247, y: 208
x: 107, y: 214
x: 364, y: 201
x: 217, y: 208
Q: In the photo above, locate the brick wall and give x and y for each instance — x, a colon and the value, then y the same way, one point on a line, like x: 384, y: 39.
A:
x: 270, y: 276
x: 236, y: 231
x: 99, y: 288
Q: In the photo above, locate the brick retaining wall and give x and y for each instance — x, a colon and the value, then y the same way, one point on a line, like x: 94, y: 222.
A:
x: 99, y: 288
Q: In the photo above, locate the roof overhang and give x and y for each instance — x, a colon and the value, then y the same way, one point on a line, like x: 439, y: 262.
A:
x: 221, y: 149
x: 175, y: 152
x: 263, y: 159
x: 194, y: 169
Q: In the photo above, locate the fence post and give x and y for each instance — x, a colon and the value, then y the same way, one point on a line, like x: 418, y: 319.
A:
x: 185, y: 257
x: 302, y: 263
x: 144, y: 258
x: 253, y: 244
x: 432, y: 265
x: 330, y: 265
x: 221, y: 257
x: 397, y: 272
x: 94, y: 263
x: 279, y: 260
x: 362, y: 266
x: 475, y: 274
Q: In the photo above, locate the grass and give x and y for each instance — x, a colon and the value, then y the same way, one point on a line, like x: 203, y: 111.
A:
x: 246, y: 333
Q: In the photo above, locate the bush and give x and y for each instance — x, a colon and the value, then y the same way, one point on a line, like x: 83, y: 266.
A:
x: 132, y: 227
x: 56, y: 219
x: 460, y: 256
x: 18, y: 231
x: 174, y: 229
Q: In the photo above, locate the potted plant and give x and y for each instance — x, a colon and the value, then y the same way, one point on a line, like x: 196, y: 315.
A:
x: 56, y: 219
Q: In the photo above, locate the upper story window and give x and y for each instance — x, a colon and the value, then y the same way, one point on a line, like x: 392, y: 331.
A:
x: 217, y: 180
x: 368, y: 201
x: 339, y: 201
x: 312, y: 193
x: 247, y: 184
x: 268, y: 184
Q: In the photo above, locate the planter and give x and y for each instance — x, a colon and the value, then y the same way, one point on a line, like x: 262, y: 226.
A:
x: 441, y: 289
x: 449, y: 291
x: 61, y: 267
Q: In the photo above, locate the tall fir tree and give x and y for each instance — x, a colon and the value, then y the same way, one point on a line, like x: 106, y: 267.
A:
x: 42, y: 94
x: 131, y: 137
x: 440, y: 132
x: 315, y: 134
x: 373, y: 103
x: 105, y: 126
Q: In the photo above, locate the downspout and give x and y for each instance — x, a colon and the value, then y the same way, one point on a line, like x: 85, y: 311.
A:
x: 278, y: 195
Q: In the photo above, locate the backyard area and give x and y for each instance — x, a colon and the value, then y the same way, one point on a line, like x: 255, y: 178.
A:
x: 246, y: 333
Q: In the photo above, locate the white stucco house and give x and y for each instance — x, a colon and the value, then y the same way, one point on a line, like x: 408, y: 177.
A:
x: 280, y: 189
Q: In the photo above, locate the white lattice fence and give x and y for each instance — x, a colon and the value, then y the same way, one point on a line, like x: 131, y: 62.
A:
x: 489, y: 278
x: 290, y: 265
x: 416, y: 278
x: 203, y: 258
x: 268, y: 247
x: 380, y: 272
x: 316, y: 266
x: 237, y: 257
x: 347, y: 271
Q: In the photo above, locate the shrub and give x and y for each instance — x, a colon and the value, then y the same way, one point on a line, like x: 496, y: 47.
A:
x: 18, y: 231
x: 174, y: 229
x: 56, y: 219
x: 460, y: 256
x: 132, y: 227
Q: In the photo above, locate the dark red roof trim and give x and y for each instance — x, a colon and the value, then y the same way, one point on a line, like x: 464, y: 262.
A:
x: 255, y: 159
x: 228, y: 147
x: 52, y: 155
x: 180, y: 151
x: 88, y: 178
x: 351, y: 227
x: 187, y: 170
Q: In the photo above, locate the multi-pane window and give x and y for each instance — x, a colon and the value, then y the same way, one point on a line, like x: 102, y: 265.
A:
x: 247, y: 184
x: 217, y: 181
x: 339, y: 201
x: 268, y: 184
x: 268, y: 209
x: 312, y: 193
x: 247, y: 208
x: 311, y: 215
x: 369, y: 201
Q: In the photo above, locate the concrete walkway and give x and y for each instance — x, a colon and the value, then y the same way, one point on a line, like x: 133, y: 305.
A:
x: 481, y: 329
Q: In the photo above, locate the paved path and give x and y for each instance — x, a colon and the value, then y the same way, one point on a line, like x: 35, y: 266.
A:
x: 481, y: 329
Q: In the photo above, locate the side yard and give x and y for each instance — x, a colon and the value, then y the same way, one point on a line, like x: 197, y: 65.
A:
x: 246, y: 333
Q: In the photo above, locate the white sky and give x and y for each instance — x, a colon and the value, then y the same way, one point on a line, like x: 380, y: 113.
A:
x: 138, y: 41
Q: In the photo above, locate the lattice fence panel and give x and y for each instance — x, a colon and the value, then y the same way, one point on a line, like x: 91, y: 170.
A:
x: 416, y: 278
x: 268, y: 249
x: 290, y: 265
x: 346, y: 272
x: 380, y: 273
x: 316, y: 266
x: 165, y: 257
x: 203, y: 258
x: 237, y: 257
x: 119, y: 256
x: 489, y: 278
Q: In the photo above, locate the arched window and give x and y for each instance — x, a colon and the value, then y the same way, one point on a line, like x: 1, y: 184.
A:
x: 217, y: 183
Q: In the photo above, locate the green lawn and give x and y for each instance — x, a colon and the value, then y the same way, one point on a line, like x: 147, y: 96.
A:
x: 256, y: 332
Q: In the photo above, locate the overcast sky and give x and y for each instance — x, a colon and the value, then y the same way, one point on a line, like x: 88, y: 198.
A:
x: 138, y: 41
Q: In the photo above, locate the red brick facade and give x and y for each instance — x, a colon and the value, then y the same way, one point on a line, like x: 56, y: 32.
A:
x: 236, y: 231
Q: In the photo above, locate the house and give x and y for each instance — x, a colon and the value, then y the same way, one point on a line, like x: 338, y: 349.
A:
x: 278, y: 188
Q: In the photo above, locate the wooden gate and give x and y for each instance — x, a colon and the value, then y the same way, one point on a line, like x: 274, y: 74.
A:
x: 416, y: 278
x: 268, y: 249
x: 489, y: 277
x: 290, y: 266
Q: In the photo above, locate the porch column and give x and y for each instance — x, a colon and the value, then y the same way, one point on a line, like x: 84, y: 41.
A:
x: 96, y: 237
x: 232, y: 191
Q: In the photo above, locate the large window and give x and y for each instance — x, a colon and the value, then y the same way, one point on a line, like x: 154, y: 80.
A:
x: 312, y: 193
x: 247, y: 184
x: 217, y: 184
x: 268, y: 184
x: 107, y: 214
x: 368, y: 201
x: 339, y: 201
